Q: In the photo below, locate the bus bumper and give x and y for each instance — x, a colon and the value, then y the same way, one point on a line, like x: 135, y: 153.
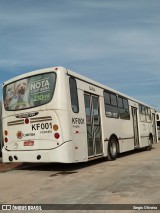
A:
x: 59, y: 155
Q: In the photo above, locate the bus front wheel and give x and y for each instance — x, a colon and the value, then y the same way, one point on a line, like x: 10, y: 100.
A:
x: 112, y: 149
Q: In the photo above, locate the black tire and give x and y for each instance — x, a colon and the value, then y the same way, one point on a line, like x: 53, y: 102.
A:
x: 150, y: 143
x: 112, y: 149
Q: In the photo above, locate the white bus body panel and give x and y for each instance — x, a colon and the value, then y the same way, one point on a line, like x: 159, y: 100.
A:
x: 61, y: 154
x: 40, y: 129
x: 72, y: 145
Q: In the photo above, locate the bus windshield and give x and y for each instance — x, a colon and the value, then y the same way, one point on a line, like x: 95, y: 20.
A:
x: 29, y: 92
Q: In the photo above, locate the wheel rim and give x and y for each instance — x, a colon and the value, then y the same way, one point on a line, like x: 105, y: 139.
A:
x: 113, y: 148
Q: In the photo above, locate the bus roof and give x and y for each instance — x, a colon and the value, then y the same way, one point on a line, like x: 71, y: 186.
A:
x: 76, y: 75
x: 105, y: 87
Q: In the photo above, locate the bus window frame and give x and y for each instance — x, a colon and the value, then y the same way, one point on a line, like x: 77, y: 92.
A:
x: 125, y: 109
x: 73, y: 96
x: 106, y: 103
x: 12, y: 110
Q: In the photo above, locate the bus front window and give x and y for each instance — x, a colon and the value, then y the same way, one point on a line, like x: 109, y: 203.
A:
x: 29, y: 92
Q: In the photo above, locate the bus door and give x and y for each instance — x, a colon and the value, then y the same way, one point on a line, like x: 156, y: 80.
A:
x: 154, y: 128
x: 94, y: 137
x: 135, y: 126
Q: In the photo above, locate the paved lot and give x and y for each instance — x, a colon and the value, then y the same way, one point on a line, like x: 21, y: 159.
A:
x: 134, y: 178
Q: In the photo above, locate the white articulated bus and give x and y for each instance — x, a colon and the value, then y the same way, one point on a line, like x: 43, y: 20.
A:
x: 56, y: 115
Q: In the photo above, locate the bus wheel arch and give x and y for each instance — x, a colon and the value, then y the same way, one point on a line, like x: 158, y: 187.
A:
x: 113, y: 147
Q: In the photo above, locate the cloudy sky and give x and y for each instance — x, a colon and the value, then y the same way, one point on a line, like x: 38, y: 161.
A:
x: 115, y: 42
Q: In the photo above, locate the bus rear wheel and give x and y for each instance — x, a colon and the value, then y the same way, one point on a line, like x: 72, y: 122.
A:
x: 112, y: 149
x: 150, y: 142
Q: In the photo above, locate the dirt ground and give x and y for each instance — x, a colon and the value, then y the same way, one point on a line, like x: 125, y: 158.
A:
x: 8, y: 166
x: 134, y: 178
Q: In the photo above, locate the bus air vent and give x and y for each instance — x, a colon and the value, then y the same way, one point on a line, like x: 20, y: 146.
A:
x: 13, y: 123
x: 40, y: 119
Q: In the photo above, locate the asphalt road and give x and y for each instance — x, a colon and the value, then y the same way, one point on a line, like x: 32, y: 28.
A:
x: 134, y: 178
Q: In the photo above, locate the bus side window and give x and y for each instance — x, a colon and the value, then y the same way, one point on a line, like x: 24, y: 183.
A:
x: 143, y: 115
x: 111, y: 106
x: 148, y: 115
x: 123, y: 108
x: 74, y: 95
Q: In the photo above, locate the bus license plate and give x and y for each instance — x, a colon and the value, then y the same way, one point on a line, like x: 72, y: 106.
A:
x: 28, y: 143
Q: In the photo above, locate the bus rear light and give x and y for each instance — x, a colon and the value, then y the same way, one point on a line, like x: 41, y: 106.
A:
x: 19, y: 135
x: 56, y: 68
x: 26, y: 121
x: 5, y: 132
x: 55, y: 127
x: 57, y: 135
x: 6, y: 140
